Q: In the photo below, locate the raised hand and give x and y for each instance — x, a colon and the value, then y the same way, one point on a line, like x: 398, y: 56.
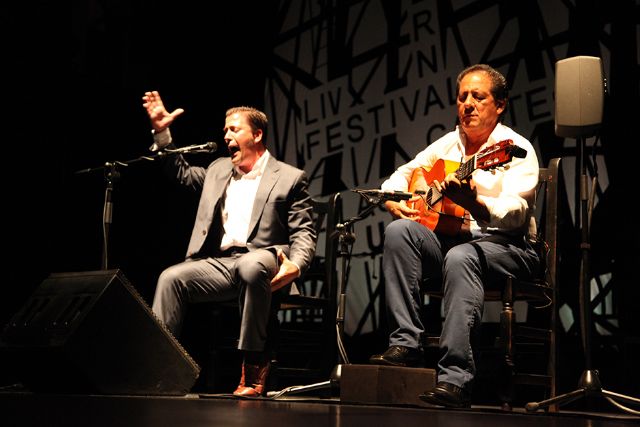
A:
x: 158, y: 115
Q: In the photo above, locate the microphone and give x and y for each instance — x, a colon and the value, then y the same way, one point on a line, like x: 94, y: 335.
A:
x: 208, y: 147
x: 211, y: 146
x: 395, y: 196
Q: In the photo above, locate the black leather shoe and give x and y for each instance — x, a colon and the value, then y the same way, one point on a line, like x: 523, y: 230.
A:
x: 397, y: 355
x: 447, y: 394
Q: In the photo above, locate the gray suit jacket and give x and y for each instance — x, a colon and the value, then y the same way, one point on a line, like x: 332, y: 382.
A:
x: 282, y: 211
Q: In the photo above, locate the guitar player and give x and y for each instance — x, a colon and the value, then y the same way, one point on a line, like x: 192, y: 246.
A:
x: 490, y: 209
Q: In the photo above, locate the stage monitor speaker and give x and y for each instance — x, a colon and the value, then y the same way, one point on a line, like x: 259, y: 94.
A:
x: 91, y: 332
x: 579, y: 96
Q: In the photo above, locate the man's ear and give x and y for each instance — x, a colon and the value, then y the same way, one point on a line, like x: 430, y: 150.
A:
x: 500, y: 106
x: 257, y: 136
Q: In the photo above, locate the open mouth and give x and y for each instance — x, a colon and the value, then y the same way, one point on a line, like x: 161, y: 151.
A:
x: 233, y: 150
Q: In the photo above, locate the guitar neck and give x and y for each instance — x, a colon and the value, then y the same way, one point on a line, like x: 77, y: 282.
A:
x: 490, y: 158
x: 466, y: 168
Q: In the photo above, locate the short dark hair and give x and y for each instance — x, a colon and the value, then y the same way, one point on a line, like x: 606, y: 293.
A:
x: 499, y: 89
x: 257, y: 119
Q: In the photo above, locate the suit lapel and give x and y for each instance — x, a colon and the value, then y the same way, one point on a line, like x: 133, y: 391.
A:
x: 221, y: 182
x: 267, y: 182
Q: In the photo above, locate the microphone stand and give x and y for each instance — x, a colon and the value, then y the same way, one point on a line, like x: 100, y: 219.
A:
x: 346, y: 238
x: 112, y: 175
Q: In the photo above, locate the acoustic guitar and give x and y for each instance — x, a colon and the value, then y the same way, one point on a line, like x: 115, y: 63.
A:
x: 439, y: 213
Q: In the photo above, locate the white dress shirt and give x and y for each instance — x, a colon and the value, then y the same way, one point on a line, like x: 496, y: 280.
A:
x: 238, y: 204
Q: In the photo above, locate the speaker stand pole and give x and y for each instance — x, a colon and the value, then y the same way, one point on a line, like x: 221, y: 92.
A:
x: 589, y: 383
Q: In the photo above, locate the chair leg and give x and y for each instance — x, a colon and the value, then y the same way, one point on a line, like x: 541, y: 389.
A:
x: 507, y: 325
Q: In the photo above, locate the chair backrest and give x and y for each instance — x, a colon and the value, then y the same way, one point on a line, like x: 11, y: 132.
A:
x: 548, y: 194
x: 550, y: 178
x: 328, y: 213
x: 307, y: 333
x: 317, y: 287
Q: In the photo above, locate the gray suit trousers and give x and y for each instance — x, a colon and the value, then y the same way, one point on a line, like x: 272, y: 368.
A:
x: 245, y: 276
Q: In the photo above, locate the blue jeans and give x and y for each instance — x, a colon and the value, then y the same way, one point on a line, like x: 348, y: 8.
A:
x: 412, y: 252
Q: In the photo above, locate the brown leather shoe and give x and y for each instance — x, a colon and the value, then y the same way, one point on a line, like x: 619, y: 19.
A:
x: 254, y: 378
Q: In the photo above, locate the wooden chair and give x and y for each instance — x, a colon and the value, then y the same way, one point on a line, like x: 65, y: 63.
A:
x: 306, y: 341
x: 539, y: 293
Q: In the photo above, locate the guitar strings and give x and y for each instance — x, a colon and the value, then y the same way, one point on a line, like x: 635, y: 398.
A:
x: 430, y: 207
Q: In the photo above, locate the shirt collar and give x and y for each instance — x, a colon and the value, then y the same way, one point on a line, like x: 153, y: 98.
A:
x: 258, y: 168
x: 493, y: 138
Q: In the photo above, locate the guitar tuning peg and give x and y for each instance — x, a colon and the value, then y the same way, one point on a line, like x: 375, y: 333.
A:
x: 506, y: 167
x: 493, y: 171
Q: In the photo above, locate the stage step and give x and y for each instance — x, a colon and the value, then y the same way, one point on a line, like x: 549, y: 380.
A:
x: 385, y: 384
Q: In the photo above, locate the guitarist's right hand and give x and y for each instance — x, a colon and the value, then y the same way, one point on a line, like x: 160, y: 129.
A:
x: 400, y: 210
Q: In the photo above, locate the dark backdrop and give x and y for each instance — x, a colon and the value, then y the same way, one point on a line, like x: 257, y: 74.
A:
x: 77, y: 105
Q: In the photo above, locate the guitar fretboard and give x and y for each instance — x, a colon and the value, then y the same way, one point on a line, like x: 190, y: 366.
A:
x: 466, y: 168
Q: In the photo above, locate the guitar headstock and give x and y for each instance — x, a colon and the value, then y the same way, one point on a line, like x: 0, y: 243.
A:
x: 498, y: 155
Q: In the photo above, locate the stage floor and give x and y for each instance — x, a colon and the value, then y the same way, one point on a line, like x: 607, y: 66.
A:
x: 26, y: 409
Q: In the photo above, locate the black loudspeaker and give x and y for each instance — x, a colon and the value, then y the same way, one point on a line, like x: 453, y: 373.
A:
x: 91, y: 332
x: 579, y: 95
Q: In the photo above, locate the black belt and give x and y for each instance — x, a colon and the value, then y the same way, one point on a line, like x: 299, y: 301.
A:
x: 234, y: 250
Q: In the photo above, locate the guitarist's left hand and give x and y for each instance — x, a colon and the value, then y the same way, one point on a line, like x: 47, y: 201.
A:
x: 463, y: 193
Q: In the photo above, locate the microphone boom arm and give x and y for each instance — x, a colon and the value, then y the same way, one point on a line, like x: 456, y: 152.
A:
x: 208, y: 147
x: 111, y: 174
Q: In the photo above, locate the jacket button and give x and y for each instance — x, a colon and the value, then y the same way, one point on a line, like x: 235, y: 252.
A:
x: 204, y: 232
